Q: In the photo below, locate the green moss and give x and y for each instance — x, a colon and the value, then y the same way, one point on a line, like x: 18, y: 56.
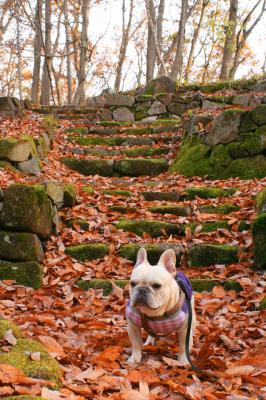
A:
x: 223, y: 209
x: 143, y: 98
x: 220, y: 156
x: 107, y: 141
x: 221, y: 99
x: 16, y: 246
x: 28, y: 273
x: 182, y: 211
x: 19, y: 356
x: 123, y: 209
x: 70, y: 194
x: 154, y: 251
x: 50, y: 123
x: 138, y: 131
x: 121, y: 193
x: 209, y: 226
x: 247, y: 125
x: 216, y: 86
x: 140, y: 166
x: 88, y: 252
x: 140, y: 114
x: 153, y: 228
x: 258, y: 115
x: 243, y: 226
x: 34, y: 151
x: 8, y: 325
x: 9, y: 167
x: 236, y: 150
x: 261, y: 202
x: 112, y: 123
x: 89, y: 166
x: 199, y: 285
x: 253, y: 143
x: 84, y: 225
x: 212, y: 254
x: 232, y: 112
x: 207, y: 192
x: 167, y: 122
x: 88, y: 189
x: 145, y: 151
x: 82, y: 130
x: 259, y: 241
x: 262, y: 305
x: 247, y: 168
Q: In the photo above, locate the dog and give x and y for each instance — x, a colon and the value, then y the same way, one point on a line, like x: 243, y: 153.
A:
x: 158, y: 304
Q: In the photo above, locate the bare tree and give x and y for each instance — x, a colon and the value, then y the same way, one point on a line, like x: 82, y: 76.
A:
x: 79, y: 97
x: 18, y: 46
x: 230, y: 40
x: 177, y: 67
x: 46, y: 78
x: 124, y: 42
x: 6, y: 16
x: 68, y: 56
x: 35, y: 88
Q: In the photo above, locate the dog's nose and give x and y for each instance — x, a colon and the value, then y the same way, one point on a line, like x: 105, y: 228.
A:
x: 143, y: 289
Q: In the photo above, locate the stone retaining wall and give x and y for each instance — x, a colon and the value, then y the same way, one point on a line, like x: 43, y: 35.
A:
x: 28, y: 217
x: 259, y: 232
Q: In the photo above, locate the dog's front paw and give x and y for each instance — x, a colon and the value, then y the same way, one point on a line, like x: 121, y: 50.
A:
x: 150, y: 340
x: 182, y: 358
x: 134, y: 358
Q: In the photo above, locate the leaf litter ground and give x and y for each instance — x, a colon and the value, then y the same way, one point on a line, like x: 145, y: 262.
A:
x: 86, y: 332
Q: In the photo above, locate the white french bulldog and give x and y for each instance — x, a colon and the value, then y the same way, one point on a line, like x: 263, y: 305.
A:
x: 156, y: 297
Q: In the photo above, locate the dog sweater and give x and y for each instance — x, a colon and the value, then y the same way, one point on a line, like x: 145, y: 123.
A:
x: 164, y: 325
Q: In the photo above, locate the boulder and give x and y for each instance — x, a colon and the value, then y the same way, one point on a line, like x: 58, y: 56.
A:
x: 20, y: 247
x: 163, y: 84
x: 177, y: 108
x: 166, y: 98
x: 7, y: 106
x: 55, y: 192
x: 261, y: 85
x: 197, y: 122
x: 157, y: 108
x: 106, y: 115
x: 119, y: 100
x: 243, y: 100
x: 200, y: 255
x: 225, y: 128
x: 140, y: 166
x: 90, y: 167
x: 27, y: 209
x: 123, y: 114
x: 261, y: 202
x: 31, y: 166
x: 259, y: 241
x: 211, y: 105
x: 13, y: 150
x: 258, y: 115
x: 70, y: 195
x: 26, y: 273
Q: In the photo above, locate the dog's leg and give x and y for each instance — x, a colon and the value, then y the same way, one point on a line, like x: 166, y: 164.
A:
x: 182, y: 337
x: 134, y: 334
x: 150, y: 340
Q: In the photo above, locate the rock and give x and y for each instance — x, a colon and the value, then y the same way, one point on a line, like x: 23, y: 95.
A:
x: 157, y: 108
x: 7, y: 106
x: 182, y: 211
x: 1, y: 194
x: 177, y: 108
x: 258, y: 115
x: 88, y: 252
x: 140, y: 166
x: 55, y: 192
x: 166, y: 98
x: 225, y: 128
x: 27, y: 273
x: 123, y: 114
x: 207, y: 192
x: 138, y: 141
x: 13, y: 150
x: 119, y: 100
x: 197, y: 122
x: 31, y: 166
x: 261, y: 85
x: 263, y: 100
x: 27, y: 209
x: 20, y: 247
x: 91, y: 166
x: 106, y: 115
x: 224, y: 209
x: 149, y: 120
x: 201, y: 255
x: 259, y: 241
x: 161, y: 196
x: 247, y: 125
x: 236, y: 150
x: 247, y: 168
x: 129, y: 251
x: 243, y: 100
x: 119, y: 192
x: 152, y: 227
x: 144, y: 98
x: 163, y: 84
x: 254, y: 142
x: 70, y: 195
x: 220, y: 155
x: 211, y: 105
x: 261, y: 202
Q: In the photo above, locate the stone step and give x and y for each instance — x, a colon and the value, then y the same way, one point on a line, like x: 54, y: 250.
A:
x: 27, y: 273
x: 128, y: 152
x: 189, y: 194
x: 122, y: 140
x: 122, y: 167
x: 85, y: 118
x: 128, y: 131
x: 199, y: 285
x: 66, y: 110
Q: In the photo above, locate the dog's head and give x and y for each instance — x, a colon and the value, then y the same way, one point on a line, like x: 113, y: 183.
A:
x: 152, y: 287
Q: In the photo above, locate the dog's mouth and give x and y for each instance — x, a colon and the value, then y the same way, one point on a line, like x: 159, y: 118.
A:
x: 146, y: 300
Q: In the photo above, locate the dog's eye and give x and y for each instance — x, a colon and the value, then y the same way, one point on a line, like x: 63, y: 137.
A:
x: 156, y: 286
x: 133, y: 284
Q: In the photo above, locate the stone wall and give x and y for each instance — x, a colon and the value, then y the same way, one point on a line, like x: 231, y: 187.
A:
x: 259, y: 232
x: 28, y: 217
x: 233, y: 144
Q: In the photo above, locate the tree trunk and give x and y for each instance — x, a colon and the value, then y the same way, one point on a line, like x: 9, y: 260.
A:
x: 177, y: 68
x: 18, y: 44
x: 195, y: 39
x: 35, y: 88
x: 79, y: 97
x: 46, y: 78
x: 124, y: 44
x: 230, y: 41
x: 68, y: 57
x: 151, y: 46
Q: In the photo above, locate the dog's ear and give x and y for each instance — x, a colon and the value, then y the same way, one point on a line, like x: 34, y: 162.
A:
x: 168, y: 261
x: 141, y: 257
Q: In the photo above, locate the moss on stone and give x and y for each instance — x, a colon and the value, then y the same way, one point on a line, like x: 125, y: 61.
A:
x: 261, y: 202
x: 253, y: 143
x: 8, y: 325
x: 221, y: 99
x: 143, y: 98
x: 28, y: 273
x: 113, y: 123
x: 70, y: 194
x: 50, y: 123
x: 223, y: 209
x: 246, y: 168
x: 106, y: 141
x: 152, y: 227
x: 209, y: 226
x: 167, y: 122
x: 140, y: 166
x: 182, y: 211
x: 90, y: 167
x: 154, y: 251
x: 161, y: 196
x: 217, y: 86
x: 247, y: 125
x: 123, y: 209
x: 145, y: 151
x: 16, y: 246
x: 220, y: 156
x: 138, y: 131
x: 258, y: 115
x: 88, y: 189
x: 207, y: 192
x: 9, y: 167
x: 199, y: 285
x: 84, y: 225
x: 259, y: 241
x: 88, y: 252
x: 120, y: 193
x: 82, y: 130
x: 19, y: 356
x: 212, y: 254
x: 236, y: 150
x: 262, y: 305
x: 140, y: 114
